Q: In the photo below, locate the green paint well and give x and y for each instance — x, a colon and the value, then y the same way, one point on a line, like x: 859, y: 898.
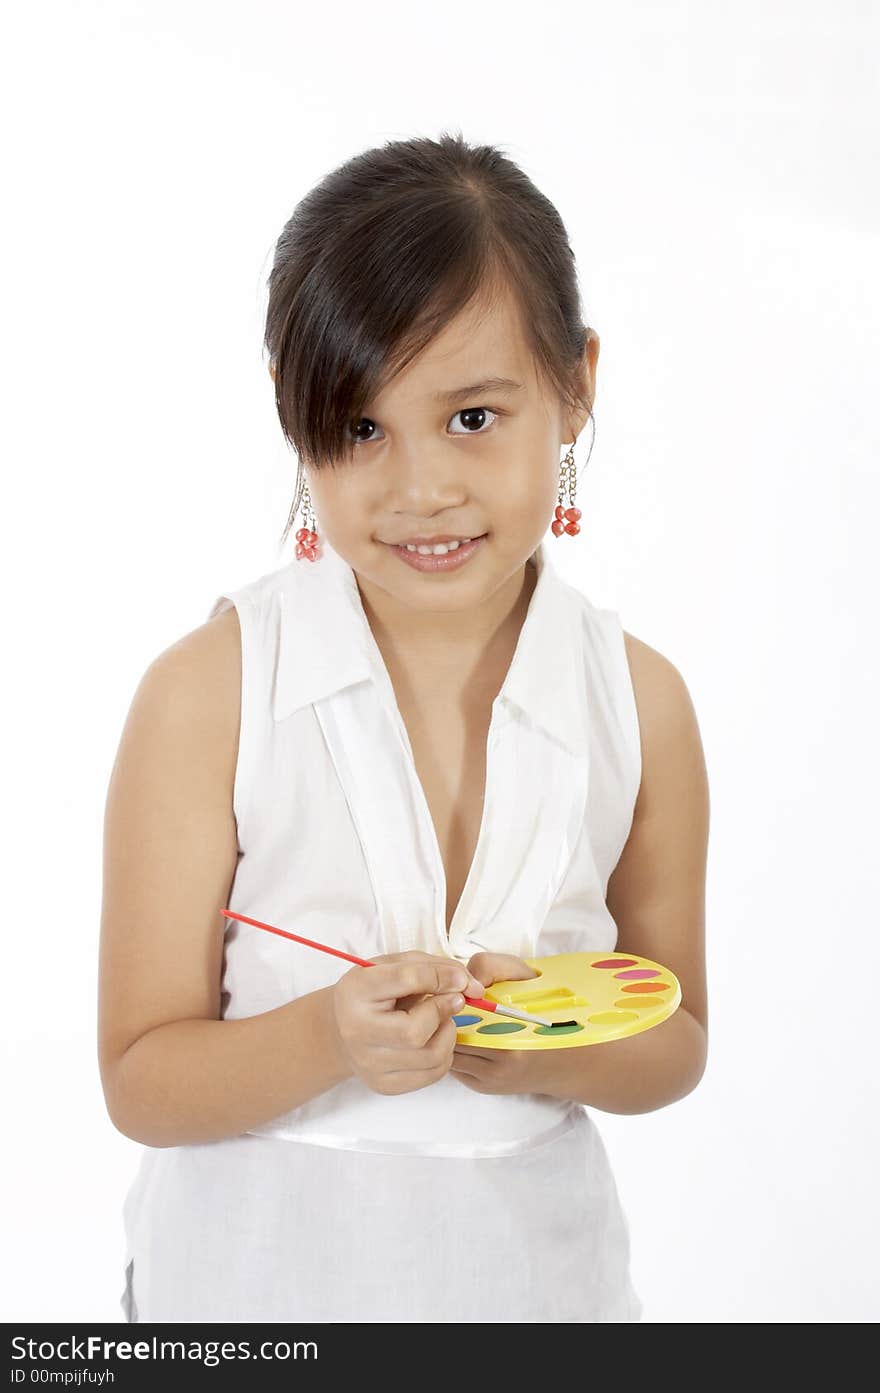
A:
x: 557, y: 1029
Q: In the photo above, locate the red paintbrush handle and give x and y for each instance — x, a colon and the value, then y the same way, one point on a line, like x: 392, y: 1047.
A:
x: 324, y: 947
x: 337, y: 952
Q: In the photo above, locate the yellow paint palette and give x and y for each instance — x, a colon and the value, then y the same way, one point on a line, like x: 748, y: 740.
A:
x: 606, y: 995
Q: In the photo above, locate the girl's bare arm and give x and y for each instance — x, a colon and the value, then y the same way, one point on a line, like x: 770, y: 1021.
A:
x: 172, y: 1071
x: 657, y: 897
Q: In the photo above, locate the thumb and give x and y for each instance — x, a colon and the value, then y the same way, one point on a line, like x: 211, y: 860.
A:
x: 500, y: 967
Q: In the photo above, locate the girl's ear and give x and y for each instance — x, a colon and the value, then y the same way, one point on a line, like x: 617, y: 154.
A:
x: 271, y: 369
x: 587, y: 385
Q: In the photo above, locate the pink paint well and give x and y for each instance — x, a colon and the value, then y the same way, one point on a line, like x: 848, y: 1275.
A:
x: 638, y: 972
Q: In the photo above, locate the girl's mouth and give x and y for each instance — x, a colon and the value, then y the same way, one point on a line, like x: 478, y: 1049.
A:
x: 450, y: 561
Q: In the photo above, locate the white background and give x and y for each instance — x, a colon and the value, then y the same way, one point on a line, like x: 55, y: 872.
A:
x: 716, y: 167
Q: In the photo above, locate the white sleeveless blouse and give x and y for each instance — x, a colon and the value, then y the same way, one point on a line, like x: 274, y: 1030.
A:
x: 336, y: 842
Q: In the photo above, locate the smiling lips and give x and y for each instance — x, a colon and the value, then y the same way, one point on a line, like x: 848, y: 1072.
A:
x: 442, y: 556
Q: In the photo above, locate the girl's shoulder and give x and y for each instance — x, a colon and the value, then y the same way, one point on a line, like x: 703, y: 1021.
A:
x: 660, y: 691
x: 198, y: 678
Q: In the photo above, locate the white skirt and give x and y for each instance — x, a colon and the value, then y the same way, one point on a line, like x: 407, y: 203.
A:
x: 253, y: 1229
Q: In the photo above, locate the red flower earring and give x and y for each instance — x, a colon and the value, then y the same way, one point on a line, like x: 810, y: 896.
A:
x: 566, y: 519
x: 307, y: 539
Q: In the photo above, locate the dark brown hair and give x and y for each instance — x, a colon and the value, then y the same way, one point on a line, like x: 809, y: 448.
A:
x: 381, y: 255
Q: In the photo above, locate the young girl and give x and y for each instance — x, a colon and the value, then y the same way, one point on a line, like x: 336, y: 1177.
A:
x: 417, y: 743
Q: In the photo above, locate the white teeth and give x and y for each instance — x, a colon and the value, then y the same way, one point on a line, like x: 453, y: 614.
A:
x: 439, y: 550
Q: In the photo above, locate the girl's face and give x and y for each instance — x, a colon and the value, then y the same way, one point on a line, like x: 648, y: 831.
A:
x: 431, y: 460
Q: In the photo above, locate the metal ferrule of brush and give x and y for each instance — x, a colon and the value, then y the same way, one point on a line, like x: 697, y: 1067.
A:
x: 521, y: 1015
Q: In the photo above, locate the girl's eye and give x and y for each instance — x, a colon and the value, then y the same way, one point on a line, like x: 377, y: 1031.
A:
x: 471, y: 412
x: 474, y: 417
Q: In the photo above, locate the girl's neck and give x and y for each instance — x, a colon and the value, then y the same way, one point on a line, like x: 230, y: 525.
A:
x: 440, y: 645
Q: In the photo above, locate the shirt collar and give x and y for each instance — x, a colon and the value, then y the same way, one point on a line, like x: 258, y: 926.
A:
x: 326, y: 645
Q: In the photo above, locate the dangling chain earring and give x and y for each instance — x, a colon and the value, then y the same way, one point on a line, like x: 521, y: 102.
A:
x: 307, y: 540
x: 566, y: 519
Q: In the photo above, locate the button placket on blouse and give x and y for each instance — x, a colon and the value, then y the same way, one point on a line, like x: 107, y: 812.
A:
x: 454, y: 944
x: 459, y: 930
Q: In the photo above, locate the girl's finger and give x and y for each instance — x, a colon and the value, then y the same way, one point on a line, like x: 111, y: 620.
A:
x: 412, y: 1029
x: 392, y: 982
x: 500, y: 967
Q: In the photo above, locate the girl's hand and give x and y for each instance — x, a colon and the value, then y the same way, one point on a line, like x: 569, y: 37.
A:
x: 393, y: 1020
x: 498, y: 1071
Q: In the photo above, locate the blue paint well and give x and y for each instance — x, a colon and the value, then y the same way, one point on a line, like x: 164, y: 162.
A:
x: 466, y: 1020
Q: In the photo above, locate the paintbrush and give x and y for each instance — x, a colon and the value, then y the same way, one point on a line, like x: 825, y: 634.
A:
x: 481, y: 1002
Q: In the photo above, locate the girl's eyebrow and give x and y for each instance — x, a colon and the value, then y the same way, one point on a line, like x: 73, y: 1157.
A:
x: 490, y: 384
x: 476, y: 389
